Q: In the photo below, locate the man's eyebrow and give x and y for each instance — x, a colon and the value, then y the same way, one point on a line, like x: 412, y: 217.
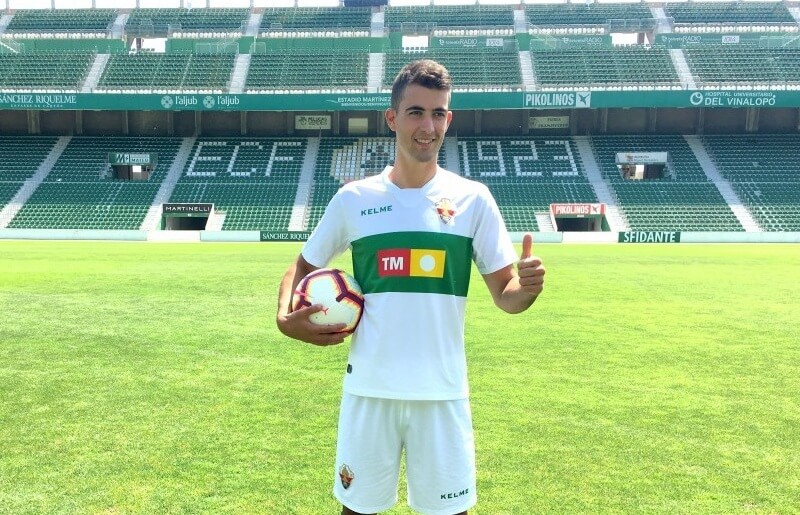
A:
x: 420, y: 108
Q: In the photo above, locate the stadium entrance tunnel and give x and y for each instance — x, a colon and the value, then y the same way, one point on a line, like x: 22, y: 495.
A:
x: 645, y: 166
x: 185, y: 217
x: 581, y: 225
x: 129, y: 166
x: 579, y: 217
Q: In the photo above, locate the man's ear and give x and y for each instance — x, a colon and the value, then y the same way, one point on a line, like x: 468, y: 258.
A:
x: 390, y: 115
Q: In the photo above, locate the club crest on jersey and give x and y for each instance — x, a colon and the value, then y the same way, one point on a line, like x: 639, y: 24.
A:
x: 346, y: 476
x: 446, y: 210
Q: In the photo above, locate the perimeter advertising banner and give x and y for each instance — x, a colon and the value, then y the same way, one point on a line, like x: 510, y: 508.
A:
x: 760, y: 39
x: 187, y: 209
x: 650, y: 237
x: 132, y: 158
x: 577, y: 210
x: 284, y: 235
x: 548, y: 122
x: 380, y: 101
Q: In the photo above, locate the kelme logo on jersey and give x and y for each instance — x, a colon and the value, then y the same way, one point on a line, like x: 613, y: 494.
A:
x: 376, y: 210
x: 411, y: 263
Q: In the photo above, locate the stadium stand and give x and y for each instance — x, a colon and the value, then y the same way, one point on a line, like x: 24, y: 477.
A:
x: 163, y: 22
x: 453, y: 20
x: 79, y: 192
x: 490, y: 68
x: 254, y: 181
x: 340, y: 160
x: 639, y: 66
x: 315, y: 22
x: 63, y: 71
x: 303, y: 69
x: 251, y: 181
x: 589, y: 18
x: 685, y: 200
x: 744, y: 65
x: 61, y: 21
x: 175, y: 72
x: 763, y: 169
x: 526, y: 175
x: 730, y: 16
x: 20, y: 156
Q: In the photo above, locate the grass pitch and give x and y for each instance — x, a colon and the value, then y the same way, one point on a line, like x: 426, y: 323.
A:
x: 149, y: 378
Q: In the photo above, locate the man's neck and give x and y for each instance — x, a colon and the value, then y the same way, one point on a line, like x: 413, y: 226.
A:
x: 404, y: 176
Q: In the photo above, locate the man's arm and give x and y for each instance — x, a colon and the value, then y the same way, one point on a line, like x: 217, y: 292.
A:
x: 295, y: 324
x: 514, y: 291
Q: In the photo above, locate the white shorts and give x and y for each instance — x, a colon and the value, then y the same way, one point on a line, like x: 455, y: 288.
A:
x: 440, y: 454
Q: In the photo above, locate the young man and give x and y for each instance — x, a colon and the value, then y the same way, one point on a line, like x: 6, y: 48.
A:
x: 414, y: 231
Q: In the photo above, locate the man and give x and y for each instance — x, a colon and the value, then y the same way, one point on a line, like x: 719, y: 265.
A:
x: 414, y: 231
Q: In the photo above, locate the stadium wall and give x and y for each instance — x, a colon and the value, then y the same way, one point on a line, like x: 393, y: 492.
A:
x: 466, y: 122
x: 650, y: 237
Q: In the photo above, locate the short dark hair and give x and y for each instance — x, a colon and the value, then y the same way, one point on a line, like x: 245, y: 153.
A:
x: 426, y: 73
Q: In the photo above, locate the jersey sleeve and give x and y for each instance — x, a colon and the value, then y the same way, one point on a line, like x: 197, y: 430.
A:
x: 491, y: 244
x: 329, y: 238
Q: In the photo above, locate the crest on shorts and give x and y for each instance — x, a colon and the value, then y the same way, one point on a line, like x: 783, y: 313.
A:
x: 445, y: 209
x: 346, y: 476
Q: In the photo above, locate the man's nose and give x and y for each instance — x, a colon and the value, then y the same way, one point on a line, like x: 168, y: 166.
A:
x: 427, y: 123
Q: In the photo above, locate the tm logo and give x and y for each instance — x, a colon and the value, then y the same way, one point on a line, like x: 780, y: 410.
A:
x: 696, y: 99
x: 167, y: 102
x: 209, y: 102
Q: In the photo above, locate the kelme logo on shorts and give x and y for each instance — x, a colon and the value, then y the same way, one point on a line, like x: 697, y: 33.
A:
x: 411, y: 263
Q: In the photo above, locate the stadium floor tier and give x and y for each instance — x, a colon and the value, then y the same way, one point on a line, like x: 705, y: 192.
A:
x: 285, y: 183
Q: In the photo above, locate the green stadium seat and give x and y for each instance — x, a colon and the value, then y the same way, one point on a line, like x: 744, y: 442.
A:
x: 526, y: 174
x: 64, y: 22
x: 451, y: 20
x: 732, y: 66
x: 252, y: 180
x: 52, y: 70
x: 586, y: 18
x: 176, y: 22
x: 78, y: 193
x: 762, y: 168
x: 479, y: 67
x: 167, y: 72
x: 618, y: 67
x: 315, y: 22
x: 684, y: 201
x: 322, y: 69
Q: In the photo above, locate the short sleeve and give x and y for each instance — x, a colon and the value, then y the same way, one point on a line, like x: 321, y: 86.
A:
x: 330, y: 237
x: 491, y: 244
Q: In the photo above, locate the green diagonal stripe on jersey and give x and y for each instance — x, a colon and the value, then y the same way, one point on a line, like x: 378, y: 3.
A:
x: 418, y: 262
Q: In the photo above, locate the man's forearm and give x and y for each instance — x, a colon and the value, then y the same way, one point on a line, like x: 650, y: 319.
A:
x: 515, y: 299
x: 287, y: 286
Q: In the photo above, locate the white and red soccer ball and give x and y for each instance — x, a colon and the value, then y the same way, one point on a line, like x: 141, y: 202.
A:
x: 339, y: 294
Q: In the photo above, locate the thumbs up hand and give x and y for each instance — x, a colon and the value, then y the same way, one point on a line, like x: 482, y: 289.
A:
x: 530, y: 269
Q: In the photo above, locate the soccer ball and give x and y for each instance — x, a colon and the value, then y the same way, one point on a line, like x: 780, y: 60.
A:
x: 337, y: 291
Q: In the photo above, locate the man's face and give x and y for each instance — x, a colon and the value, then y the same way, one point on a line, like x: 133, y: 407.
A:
x: 420, y: 122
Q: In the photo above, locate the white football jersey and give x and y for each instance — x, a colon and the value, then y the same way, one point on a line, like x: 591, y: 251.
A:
x: 412, y: 254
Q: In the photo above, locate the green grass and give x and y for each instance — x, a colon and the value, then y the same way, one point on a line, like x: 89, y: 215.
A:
x: 149, y: 378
